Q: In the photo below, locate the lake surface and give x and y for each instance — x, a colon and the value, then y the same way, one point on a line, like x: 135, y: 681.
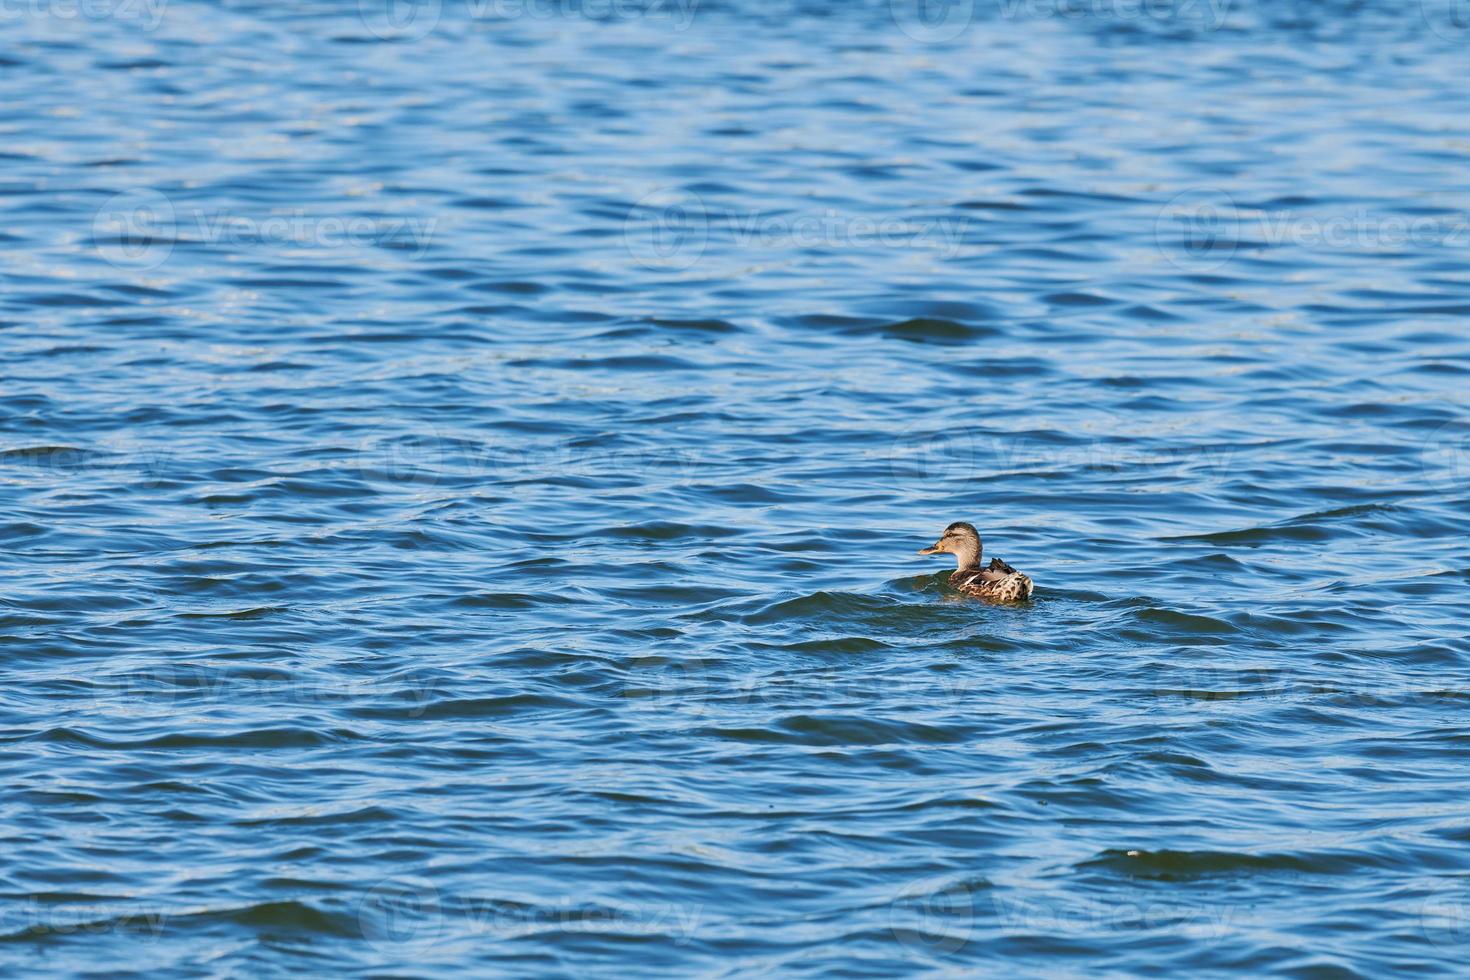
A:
x: 461, y: 467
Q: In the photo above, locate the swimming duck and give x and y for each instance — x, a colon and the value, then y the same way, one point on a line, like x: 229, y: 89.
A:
x: 999, y: 582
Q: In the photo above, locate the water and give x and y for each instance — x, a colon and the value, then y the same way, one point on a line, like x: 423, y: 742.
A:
x: 462, y: 472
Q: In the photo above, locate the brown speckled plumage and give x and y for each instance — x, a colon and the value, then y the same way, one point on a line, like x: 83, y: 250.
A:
x: 998, y: 582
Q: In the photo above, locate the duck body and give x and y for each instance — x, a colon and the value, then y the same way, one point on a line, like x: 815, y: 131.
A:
x: 997, y: 582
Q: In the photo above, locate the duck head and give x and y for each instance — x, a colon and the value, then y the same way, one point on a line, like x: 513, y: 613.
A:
x: 962, y: 541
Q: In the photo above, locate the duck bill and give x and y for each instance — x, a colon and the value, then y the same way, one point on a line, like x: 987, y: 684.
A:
x: 933, y: 549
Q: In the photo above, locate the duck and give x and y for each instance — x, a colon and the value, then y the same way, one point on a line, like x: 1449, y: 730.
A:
x: 998, y: 582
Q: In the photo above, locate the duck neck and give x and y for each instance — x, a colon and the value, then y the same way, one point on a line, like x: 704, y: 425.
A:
x: 968, y: 556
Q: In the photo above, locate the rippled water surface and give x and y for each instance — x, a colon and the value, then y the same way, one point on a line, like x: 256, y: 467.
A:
x: 461, y: 467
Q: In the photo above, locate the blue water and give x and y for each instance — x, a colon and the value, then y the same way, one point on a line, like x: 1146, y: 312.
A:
x: 461, y: 467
